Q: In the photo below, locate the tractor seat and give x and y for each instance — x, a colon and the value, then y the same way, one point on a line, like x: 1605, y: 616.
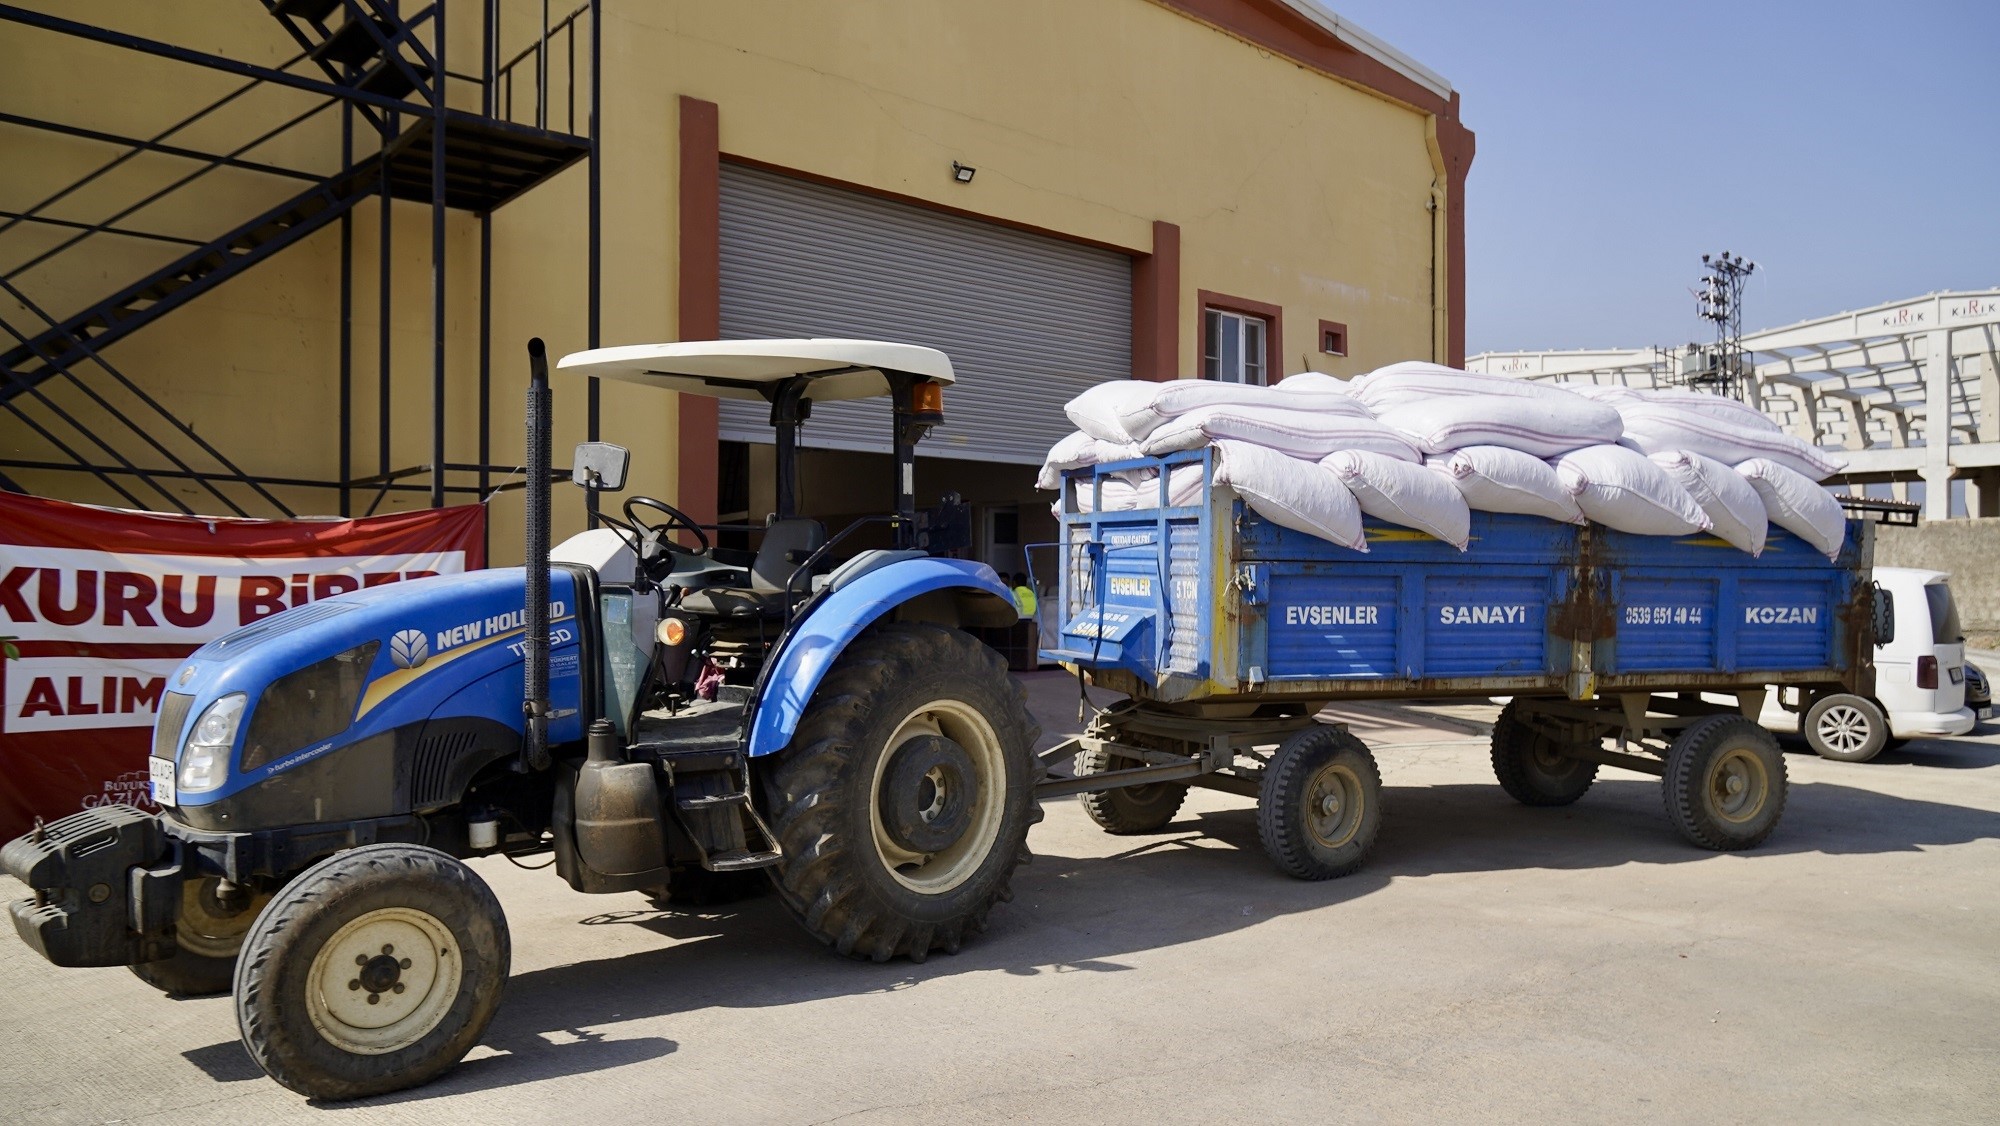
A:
x: 787, y: 544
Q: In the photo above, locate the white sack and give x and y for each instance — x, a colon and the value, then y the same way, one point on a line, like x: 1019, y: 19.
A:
x: 1415, y: 381
x: 1654, y: 427
x: 1404, y: 494
x: 1097, y: 410
x: 1698, y: 402
x: 1313, y: 382
x: 1078, y: 450
x: 1735, y: 511
x: 1181, y: 396
x: 1140, y: 488
x: 1620, y: 489
x: 1292, y: 433
x: 1542, y: 427
x: 1298, y: 494
x: 1497, y: 479
x: 1796, y: 503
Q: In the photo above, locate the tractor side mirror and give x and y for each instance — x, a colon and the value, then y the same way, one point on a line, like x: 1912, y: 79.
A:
x: 1885, y: 616
x: 600, y: 465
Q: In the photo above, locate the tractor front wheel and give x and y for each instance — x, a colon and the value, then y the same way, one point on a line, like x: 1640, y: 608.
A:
x: 375, y: 970
x: 903, y: 803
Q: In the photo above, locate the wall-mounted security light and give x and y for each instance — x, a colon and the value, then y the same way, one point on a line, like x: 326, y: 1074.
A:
x: 963, y: 173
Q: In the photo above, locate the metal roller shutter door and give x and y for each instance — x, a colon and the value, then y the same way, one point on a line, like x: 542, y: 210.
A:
x: 1028, y: 321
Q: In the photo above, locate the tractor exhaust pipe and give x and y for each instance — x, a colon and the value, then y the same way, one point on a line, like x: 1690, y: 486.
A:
x: 535, y: 614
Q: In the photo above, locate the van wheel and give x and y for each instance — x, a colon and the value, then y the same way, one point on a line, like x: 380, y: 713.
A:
x: 1845, y: 728
x: 375, y: 970
x: 903, y: 803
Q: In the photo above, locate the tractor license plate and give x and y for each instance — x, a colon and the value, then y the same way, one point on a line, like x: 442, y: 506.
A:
x: 162, y: 771
x: 1984, y: 713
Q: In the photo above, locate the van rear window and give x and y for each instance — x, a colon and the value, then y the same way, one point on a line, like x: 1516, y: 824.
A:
x: 1944, y: 615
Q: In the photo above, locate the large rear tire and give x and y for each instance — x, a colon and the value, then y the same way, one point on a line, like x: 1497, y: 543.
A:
x: 1725, y: 783
x: 375, y: 970
x: 1531, y: 765
x: 1128, y: 809
x: 1845, y: 727
x: 208, y: 932
x: 1320, y: 805
x: 902, y: 805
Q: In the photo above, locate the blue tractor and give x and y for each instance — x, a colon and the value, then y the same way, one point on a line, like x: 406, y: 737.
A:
x: 662, y: 714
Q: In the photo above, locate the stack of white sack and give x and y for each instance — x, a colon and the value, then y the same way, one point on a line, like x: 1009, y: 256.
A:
x: 1735, y: 511
x: 1798, y: 504
x: 1131, y: 410
x: 1442, y: 409
x: 1404, y: 493
x: 1140, y: 488
x: 1292, y: 433
x: 1497, y: 479
x: 1297, y: 494
x: 1079, y: 451
x: 1729, y: 436
x: 1620, y: 489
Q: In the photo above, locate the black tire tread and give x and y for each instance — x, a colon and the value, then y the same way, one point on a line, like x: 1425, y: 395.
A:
x: 187, y: 974
x: 1512, y: 738
x: 260, y: 1006
x: 1277, y: 824
x: 1118, y: 811
x: 812, y: 880
x: 1689, y: 755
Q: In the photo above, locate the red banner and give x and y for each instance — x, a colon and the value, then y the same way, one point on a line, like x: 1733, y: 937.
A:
x: 102, y: 604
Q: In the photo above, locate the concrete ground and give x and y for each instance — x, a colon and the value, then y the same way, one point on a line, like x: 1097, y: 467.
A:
x: 1492, y: 963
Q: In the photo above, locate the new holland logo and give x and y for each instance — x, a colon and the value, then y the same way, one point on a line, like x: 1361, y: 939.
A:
x: 409, y: 649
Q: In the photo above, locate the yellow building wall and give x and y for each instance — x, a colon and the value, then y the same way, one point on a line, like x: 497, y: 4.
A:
x: 1089, y: 118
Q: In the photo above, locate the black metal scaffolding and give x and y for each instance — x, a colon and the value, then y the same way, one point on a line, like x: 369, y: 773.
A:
x: 385, y: 71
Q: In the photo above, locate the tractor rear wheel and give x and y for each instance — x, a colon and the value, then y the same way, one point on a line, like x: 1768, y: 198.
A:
x: 375, y: 970
x: 902, y: 805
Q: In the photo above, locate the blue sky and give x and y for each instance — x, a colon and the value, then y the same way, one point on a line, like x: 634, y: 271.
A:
x: 1852, y: 150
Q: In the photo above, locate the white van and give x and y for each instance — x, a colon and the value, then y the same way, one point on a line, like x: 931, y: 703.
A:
x: 1919, y: 679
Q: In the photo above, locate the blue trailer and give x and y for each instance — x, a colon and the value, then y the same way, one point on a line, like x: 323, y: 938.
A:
x: 1228, y: 633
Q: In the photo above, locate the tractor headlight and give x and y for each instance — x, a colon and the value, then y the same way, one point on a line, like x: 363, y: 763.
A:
x: 205, y: 757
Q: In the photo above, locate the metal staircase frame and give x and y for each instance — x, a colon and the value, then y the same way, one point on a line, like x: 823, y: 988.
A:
x: 389, y: 85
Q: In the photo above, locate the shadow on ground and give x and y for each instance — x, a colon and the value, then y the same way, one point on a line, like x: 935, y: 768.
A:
x: 1083, y: 914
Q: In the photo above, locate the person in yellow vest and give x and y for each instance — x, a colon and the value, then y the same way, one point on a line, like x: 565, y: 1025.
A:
x: 1024, y: 595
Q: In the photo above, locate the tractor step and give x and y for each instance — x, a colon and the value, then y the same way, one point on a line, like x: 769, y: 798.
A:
x: 713, y: 801
x: 739, y: 860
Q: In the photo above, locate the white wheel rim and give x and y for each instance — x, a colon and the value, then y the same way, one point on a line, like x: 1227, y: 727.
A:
x: 1844, y: 729
x: 408, y: 1003
x: 939, y: 872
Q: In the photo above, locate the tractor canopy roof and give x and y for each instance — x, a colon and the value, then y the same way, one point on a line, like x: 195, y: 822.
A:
x: 752, y: 369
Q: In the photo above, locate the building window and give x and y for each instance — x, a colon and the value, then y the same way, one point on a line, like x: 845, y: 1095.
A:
x: 1240, y: 339
x: 1333, y: 338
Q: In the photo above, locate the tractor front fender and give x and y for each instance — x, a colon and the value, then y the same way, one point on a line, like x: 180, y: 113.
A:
x: 804, y: 657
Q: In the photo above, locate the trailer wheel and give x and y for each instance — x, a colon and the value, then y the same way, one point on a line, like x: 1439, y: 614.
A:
x: 1530, y: 764
x: 1320, y: 805
x: 375, y: 970
x: 1128, y: 809
x: 1845, y: 727
x: 902, y: 805
x: 208, y: 933
x: 1725, y: 783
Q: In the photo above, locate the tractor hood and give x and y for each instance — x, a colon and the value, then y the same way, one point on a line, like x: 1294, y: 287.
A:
x: 371, y: 669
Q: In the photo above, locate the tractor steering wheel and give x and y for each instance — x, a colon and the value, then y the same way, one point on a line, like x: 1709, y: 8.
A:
x: 676, y: 521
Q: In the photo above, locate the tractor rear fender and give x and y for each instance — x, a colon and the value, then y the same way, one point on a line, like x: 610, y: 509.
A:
x: 953, y: 592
